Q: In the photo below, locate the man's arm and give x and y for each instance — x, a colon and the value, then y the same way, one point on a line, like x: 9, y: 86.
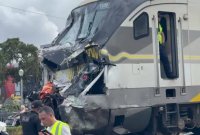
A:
x: 163, y: 37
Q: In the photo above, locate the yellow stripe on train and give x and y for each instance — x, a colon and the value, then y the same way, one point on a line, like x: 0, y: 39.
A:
x: 125, y: 55
x: 122, y: 55
x: 196, y: 98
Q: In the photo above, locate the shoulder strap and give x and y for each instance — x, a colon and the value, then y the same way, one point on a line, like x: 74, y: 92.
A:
x: 54, y: 128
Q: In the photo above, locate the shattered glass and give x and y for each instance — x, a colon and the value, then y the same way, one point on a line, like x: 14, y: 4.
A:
x: 84, y: 22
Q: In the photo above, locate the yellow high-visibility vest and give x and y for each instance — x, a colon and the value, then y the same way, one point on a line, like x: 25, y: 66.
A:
x: 57, y: 128
x: 160, y: 30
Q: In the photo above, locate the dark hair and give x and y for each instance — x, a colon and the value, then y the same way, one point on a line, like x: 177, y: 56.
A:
x: 36, y: 104
x: 47, y: 110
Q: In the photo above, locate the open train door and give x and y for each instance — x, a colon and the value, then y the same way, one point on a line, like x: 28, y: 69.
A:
x: 171, y: 19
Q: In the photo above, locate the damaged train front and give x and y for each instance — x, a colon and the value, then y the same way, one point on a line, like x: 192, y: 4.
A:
x: 74, y: 63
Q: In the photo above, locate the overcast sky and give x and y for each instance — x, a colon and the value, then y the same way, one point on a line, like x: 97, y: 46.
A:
x: 25, y: 19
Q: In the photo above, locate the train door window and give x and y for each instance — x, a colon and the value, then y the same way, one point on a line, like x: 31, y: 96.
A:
x: 167, y: 45
x: 141, y: 26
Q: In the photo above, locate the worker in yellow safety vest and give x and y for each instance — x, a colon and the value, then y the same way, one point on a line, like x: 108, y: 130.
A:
x: 162, y: 48
x: 54, y: 127
x: 161, y: 35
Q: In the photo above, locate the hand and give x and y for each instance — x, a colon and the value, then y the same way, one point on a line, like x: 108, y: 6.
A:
x: 41, y: 133
x: 45, y: 132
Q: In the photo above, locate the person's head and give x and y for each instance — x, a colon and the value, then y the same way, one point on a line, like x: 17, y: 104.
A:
x: 36, y: 105
x: 47, y: 116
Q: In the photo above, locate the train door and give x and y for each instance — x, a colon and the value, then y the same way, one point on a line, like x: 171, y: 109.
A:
x: 168, y: 28
x: 167, y: 42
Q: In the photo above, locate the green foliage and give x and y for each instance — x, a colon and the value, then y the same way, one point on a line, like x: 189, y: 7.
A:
x: 24, y: 54
x: 11, y: 105
x: 14, y: 130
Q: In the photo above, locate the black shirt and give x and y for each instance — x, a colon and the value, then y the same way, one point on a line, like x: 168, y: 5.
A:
x: 30, y: 122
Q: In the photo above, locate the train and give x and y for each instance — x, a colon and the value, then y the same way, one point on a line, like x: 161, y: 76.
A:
x: 108, y: 63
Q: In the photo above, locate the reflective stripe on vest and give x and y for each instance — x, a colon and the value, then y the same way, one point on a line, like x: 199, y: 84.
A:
x: 57, y: 127
x: 160, y: 30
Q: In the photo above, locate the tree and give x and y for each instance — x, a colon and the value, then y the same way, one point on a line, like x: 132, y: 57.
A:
x: 25, y: 55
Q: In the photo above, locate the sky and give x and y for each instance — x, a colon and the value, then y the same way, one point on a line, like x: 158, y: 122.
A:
x: 35, y: 22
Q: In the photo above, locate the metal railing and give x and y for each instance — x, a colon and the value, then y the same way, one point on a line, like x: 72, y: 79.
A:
x: 4, y: 115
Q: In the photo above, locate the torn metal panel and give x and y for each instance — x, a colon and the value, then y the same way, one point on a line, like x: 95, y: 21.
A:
x: 71, y: 57
x: 56, y: 59
x: 83, y: 117
x: 85, y: 120
x: 89, y: 75
x: 94, y: 113
x: 56, y: 56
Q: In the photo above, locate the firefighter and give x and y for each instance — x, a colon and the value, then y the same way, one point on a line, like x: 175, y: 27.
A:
x: 47, y: 89
x: 54, y: 126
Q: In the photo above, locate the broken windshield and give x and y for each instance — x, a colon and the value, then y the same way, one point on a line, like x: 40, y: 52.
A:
x: 70, y: 36
x: 86, y: 21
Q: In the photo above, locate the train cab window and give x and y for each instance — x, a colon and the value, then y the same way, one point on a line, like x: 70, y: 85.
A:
x: 167, y: 45
x: 141, y: 26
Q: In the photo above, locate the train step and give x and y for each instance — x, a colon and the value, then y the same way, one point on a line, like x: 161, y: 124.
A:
x: 119, y: 130
x: 171, y: 112
x: 172, y: 126
x: 188, y: 133
x: 171, y: 116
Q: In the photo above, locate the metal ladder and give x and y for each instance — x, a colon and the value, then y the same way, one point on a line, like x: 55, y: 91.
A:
x: 171, y: 115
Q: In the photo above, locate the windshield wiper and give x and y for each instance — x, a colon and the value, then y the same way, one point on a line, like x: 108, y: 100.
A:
x: 89, y: 29
x: 81, y: 40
